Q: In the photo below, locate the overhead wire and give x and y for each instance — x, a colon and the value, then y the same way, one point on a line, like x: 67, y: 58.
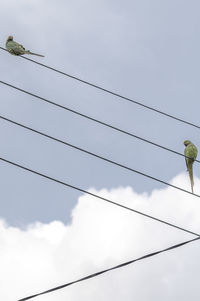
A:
x: 110, y: 92
x: 96, y: 155
x: 94, y: 119
x: 108, y: 160
x: 27, y: 169
x: 96, y: 196
x: 119, y: 266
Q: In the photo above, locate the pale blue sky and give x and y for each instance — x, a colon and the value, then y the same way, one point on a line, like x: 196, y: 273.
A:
x: 146, y: 50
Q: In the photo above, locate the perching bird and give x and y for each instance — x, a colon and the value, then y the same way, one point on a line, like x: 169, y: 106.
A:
x: 191, y: 154
x: 17, y: 49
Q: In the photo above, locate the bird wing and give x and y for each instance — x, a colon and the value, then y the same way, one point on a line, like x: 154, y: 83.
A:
x: 15, y: 48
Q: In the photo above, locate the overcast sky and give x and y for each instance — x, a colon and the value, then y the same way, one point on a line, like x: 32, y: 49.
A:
x: 101, y: 236
x: 145, y: 50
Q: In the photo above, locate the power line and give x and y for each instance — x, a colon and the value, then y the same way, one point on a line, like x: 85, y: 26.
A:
x: 110, y: 269
x: 95, y: 155
x: 94, y: 119
x: 97, y: 196
x: 135, y: 102
x: 111, y: 92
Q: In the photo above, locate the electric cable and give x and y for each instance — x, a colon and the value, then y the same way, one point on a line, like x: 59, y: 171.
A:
x: 110, y: 92
x: 119, y: 266
x: 93, y: 154
x: 94, y: 119
x: 97, y: 196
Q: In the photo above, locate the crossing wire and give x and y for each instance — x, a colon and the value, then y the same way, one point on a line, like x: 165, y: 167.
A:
x: 93, y: 119
x: 140, y: 104
x: 110, y: 269
x: 98, y: 196
x: 110, y: 92
x: 95, y: 155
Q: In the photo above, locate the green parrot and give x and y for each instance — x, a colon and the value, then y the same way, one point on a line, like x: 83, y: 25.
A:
x: 16, y: 49
x: 191, y: 152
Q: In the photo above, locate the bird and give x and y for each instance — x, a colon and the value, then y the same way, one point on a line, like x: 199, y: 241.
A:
x: 190, y: 156
x: 16, y: 49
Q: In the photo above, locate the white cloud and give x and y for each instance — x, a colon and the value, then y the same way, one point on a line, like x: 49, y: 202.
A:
x: 102, y: 235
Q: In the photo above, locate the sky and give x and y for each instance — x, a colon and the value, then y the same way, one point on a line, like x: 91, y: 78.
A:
x: 145, y: 50
x: 100, y: 236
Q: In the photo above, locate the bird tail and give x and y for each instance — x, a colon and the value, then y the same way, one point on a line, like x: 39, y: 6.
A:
x: 32, y: 53
x: 190, y: 170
